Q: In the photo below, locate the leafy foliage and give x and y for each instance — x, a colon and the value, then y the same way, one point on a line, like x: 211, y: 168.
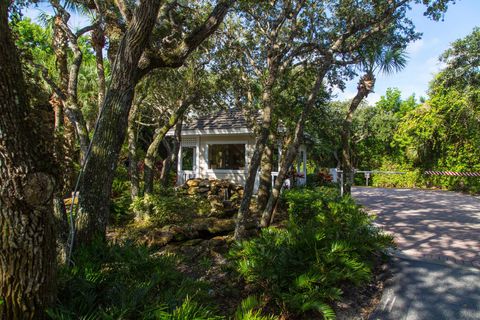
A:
x: 127, y: 282
x: 327, y: 243
x: 248, y: 310
x: 168, y: 207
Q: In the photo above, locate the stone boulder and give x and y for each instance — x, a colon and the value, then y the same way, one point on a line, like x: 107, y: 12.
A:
x: 224, y: 196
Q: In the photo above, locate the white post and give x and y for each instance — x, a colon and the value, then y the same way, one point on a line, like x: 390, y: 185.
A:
x: 334, y: 174
x: 196, y: 169
x: 341, y: 182
x: 179, y: 167
x: 304, y: 165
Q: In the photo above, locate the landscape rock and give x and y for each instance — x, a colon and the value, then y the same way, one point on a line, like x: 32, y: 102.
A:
x: 223, y: 195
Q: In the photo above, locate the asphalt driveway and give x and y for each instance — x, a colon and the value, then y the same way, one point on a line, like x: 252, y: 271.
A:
x: 434, y: 225
x: 436, y: 271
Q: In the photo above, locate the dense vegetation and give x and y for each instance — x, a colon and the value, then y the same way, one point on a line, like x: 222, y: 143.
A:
x: 440, y: 132
x: 87, y: 111
x: 327, y: 245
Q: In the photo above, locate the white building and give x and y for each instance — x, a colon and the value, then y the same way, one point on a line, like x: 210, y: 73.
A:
x: 220, y: 146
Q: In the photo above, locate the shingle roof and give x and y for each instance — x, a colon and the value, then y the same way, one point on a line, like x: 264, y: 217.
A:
x: 224, y: 119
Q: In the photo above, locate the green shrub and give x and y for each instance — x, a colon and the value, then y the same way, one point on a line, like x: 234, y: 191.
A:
x: 120, y: 201
x: 303, y: 204
x: 410, y: 179
x: 169, y: 207
x: 249, y: 310
x: 321, y: 178
x: 328, y: 242
x: 188, y: 310
x: 127, y: 282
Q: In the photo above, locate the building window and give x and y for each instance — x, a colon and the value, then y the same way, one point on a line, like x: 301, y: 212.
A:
x: 226, y: 156
x: 188, y: 158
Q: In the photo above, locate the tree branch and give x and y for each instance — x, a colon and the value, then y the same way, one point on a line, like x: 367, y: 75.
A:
x: 178, y: 56
x: 124, y: 11
x: 50, y: 81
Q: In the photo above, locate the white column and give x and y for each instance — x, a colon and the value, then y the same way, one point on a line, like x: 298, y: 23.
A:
x: 197, y: 158
x: 179, y: 166
x: 304, y: 164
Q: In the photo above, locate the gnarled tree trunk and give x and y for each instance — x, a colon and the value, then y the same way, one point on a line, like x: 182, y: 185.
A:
x: 173, y: 156
x: 365, y: 86
x: 132, y: 152
x: 262, y: 139
x: 152, y: 151
x: 265, y: 183
x: 27, y: 240
x: 95, y: 187
x: 291, y: 152
x: 96, y: 184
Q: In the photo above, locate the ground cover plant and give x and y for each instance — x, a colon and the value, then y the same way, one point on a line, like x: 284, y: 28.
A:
x: 328, y: 243
x: 125, y: 281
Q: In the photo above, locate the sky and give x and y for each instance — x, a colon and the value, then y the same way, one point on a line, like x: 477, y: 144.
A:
x: 423, y: 54
x: 423, y: 63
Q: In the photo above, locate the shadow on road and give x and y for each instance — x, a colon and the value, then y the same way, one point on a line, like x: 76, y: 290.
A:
x: 435, y: 223
x: 423, y: 290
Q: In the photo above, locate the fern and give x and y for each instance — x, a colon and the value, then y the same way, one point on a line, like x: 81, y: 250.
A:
x: 249, y: 310
x: 328, y: 242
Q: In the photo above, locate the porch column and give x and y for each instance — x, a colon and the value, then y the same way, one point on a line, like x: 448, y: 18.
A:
x: 179, y: 166
x: 196, y: 169
x: 304, y: 164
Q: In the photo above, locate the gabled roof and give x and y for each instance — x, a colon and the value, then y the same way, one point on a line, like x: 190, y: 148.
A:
x: 223, y: 122
x: 224, y: 119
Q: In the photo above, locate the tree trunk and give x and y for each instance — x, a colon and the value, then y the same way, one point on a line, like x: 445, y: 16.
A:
x: 265, y: 185
x: 69, y: 80
x: 27, y: 240
x: 63, y: 166
x: 96, y: 184
x: 95, y: 187
x: 173, y: 158
x: 365, y: 86
x: 98, y: 42
x: 262, y: 139
x: 132, y: 153
x: 152, y: 150
x: 74, y: 114
x: 291, y: 152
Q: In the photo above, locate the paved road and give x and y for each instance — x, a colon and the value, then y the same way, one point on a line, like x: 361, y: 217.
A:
x: 435, y: 225
x: 437, y: 268
x: 430, y: 291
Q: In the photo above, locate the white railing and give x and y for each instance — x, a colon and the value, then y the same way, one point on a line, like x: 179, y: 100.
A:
x: 184, y: 175
x: 300, y: 180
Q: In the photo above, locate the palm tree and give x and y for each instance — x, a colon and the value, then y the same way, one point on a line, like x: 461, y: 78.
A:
x: 385, y: 60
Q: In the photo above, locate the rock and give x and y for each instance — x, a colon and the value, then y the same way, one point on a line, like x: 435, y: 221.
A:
x: 192, y: 242
x: 202, y: 189
x: 204, y: 183
x: 209, y: 231
x: 157, y: 239
x: 237, y: 187
x: 192, y: 191
x: 217, y: 191
x: 227, y: 204
x: 222, y: 226
x: 193, y: 182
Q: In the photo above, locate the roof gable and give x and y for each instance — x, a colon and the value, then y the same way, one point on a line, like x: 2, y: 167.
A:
x: 224, y: 119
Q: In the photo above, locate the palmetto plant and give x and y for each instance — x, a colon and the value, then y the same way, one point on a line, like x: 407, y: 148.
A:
x: 327, y: 243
